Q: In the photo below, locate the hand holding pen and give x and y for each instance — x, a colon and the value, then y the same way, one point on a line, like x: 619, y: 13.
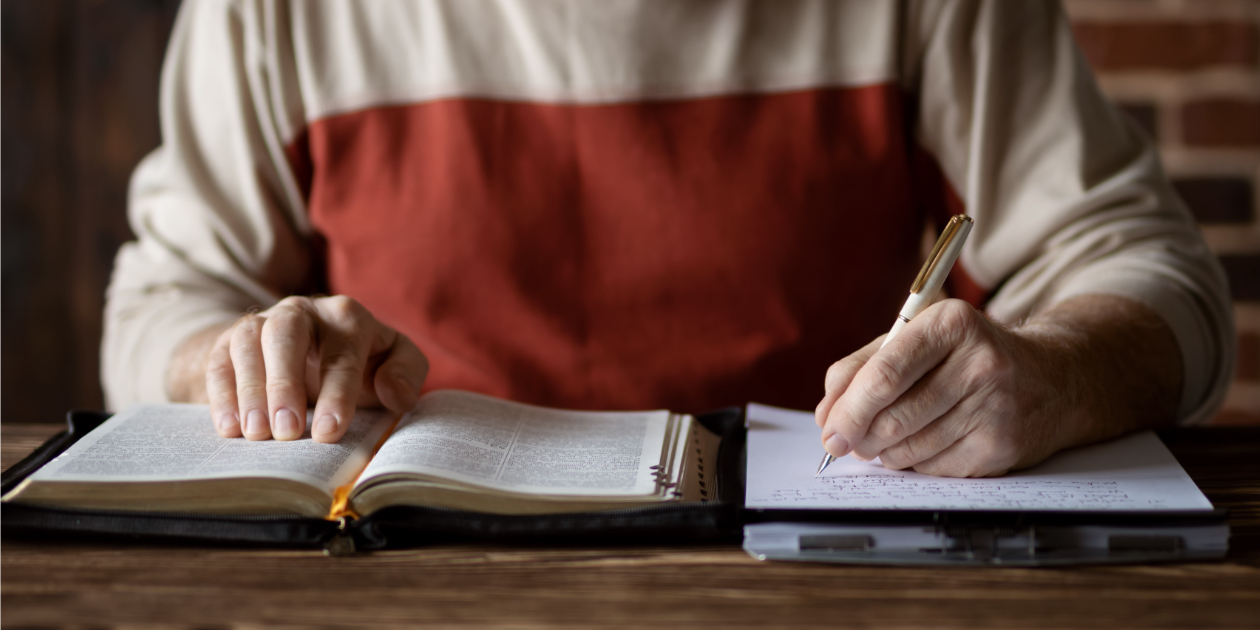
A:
x: 927, y: 285
x: 950, y: 392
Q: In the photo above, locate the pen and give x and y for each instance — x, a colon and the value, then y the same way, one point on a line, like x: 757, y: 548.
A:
x: 927, y: 284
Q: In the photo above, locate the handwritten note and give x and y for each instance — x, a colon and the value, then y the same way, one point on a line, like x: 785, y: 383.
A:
x: 1133, y: 473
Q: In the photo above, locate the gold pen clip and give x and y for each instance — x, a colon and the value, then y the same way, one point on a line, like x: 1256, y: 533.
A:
x: 934, y: 258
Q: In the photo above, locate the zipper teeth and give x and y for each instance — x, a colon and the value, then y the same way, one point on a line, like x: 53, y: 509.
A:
x: 246, y: 518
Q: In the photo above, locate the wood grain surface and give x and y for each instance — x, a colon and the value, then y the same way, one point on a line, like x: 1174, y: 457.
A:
x: 145, y: 585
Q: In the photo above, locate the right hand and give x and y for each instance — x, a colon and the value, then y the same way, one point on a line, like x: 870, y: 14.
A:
x: 263, y: 371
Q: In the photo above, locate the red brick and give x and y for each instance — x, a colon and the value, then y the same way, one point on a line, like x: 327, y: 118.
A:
x: 1248, y: 357
x: 1120, y: 46
x: 1235, y: 419
x: 1243, y: 271
x: 1221, y: 123
x: 1217, y: 200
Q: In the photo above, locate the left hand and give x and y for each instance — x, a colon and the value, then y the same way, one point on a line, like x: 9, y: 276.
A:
x: 956, y: 394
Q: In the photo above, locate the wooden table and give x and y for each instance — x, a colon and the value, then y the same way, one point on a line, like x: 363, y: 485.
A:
x: 136, y: 585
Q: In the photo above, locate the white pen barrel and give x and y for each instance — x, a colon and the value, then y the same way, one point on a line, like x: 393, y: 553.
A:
x: 913, y: 306
x: 897, y: 326
x: 923, y: 298
x: 936, y: 280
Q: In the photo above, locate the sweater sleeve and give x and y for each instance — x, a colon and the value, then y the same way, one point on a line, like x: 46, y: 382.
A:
x: 218, y: 215
x: 1068, y: 197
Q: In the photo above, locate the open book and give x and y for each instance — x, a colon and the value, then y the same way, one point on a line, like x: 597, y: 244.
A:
x: 454, y: 450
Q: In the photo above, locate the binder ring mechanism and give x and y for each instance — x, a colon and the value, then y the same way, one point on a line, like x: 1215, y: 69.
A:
x: 1013, y: 544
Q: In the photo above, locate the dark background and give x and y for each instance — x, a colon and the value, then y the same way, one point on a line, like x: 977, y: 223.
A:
x: 78, y: 106
x: 79, y: 110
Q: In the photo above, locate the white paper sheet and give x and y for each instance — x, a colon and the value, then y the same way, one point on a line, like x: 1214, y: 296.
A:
x: 511, y: 446
x: 1133, y: 473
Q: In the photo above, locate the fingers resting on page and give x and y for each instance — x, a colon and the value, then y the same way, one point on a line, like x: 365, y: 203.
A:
x: 266, y: 369
x: 954, y: 394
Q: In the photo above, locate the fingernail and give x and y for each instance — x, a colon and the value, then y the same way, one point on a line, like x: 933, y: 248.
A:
x: 285, y: 425
x: 227, y: 421
x: 836, y: 445
x: 325, y: 424
x: 256, y: 422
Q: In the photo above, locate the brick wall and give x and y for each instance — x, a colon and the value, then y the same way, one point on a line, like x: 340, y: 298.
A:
x: 1189, y: 72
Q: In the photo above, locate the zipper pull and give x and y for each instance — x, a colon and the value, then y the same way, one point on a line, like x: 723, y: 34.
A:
x: 342, y: 543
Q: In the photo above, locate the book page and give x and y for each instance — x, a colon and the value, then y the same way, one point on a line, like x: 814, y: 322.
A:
x: 178, y: 442
x: 1132, y: 473
x: 498, y: 444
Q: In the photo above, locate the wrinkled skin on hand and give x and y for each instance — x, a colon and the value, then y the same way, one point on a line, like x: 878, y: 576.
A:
x: 262, y: 372
x: 956, y: 394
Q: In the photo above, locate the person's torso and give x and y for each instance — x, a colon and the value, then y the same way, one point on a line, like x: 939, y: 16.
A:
x: 613, y: 204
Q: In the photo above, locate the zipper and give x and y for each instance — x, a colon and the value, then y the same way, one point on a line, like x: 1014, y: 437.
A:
x: 183, y: 516
x: 342, y: 543
x: 287, y: 529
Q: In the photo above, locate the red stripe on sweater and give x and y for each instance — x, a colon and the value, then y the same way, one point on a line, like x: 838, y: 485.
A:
x: 683, y: 254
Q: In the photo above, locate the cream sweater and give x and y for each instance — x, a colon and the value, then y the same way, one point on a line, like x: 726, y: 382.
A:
x: 518, y: 187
